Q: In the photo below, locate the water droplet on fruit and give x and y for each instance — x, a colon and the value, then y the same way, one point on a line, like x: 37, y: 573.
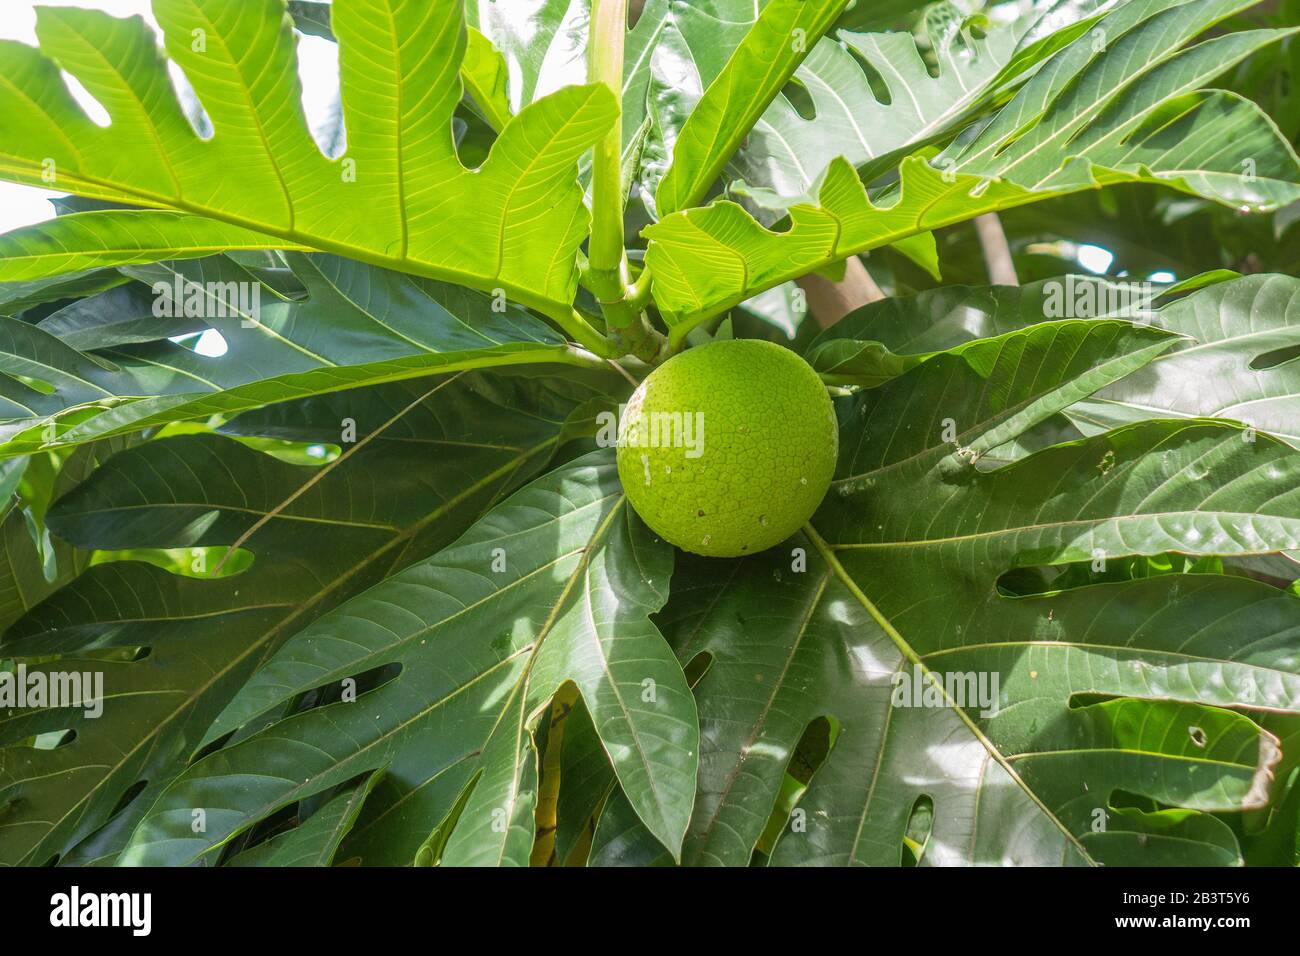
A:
x: 706, y: 539
x: 762, y: 519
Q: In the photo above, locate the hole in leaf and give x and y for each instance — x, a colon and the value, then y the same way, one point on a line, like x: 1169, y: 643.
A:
x: 813, y: 748
x: 213, y: 747
x: 351, y: 688
x: 920, y: 824
x: 283, y: 820
x: 806, y: 759
x: 1121, y: 799
x: 54, y: 739
x: 697, y: 667
x: 1012, y: 138
x: 473, y: 137
x: 1044, y: 580
x: 128, y: 796
x: 36, y: 384
x: 202, y: 562
x: 191, y: 106
x: 1275, y: 358
x: 800, y: 99
x: 875, y: 79
x: 314, y: 454
x: 209, y: 343
x: 322, y: 105
x: 94, y: 109
x: 1166, y: 126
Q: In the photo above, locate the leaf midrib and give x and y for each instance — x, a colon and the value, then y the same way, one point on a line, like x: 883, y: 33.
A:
x: 1116, y: 519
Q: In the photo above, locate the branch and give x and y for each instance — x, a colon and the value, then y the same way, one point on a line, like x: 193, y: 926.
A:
x: 997, y: 253
x: 830, y: 301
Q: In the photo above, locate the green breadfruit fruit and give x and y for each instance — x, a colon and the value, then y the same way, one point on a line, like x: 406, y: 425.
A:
x: 729, y: 448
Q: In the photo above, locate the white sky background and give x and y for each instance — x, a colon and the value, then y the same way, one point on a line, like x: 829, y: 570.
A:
x: 23, y: 205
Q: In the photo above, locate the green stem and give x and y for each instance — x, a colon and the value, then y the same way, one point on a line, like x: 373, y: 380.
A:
x: 607, y: 261
x: 581, y: 332
x: 638, y: 293
x: 608, y: 275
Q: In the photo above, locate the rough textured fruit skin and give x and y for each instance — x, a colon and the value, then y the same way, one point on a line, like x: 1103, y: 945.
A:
x: 768, y: 453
